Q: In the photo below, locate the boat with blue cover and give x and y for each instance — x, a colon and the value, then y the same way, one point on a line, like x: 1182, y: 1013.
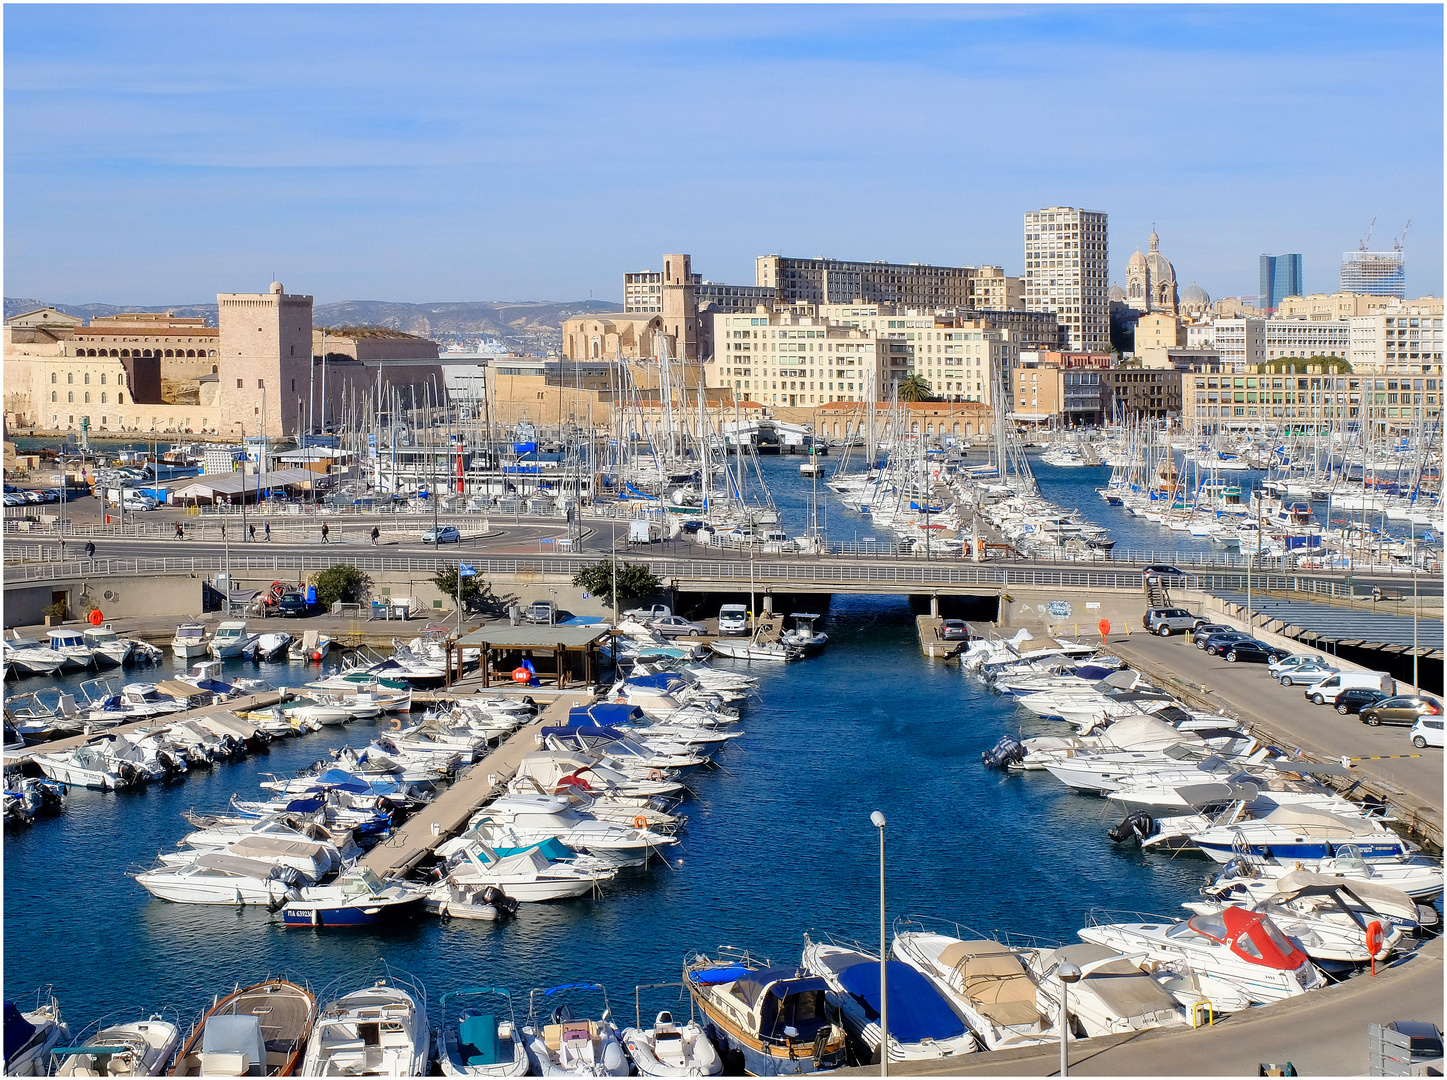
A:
x: 476, y: 1038
x: 768, y: 1020
x: 357, y: 898
x: 560, y: 1043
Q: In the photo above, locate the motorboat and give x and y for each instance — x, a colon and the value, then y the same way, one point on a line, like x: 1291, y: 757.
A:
x: 190, y: 641
x: 106, y: 646
x: 1112, y: 996
x: 922, y: 1025
x: 562, y: 1044
x: 30, y: 657
x: 1296, y: 833
x: 982, y: 979
x: 378, y: 1031
x: 476, y: 1039
x: 138, y: 1048
x: 266, y: 646
x: 231, y: 639
x: 258, y: 1030
x: 767, y: 1020
x: 222, y: 879
x: 26, y: 797
x: 87, y: 766
x: 667, y: 1049
x: 527, y: 876
x: 1419, y: 875
x: 803, y: 636
x: 766, y: 651
x: 313, y: 647
x: 1230, y: 959
x: 31, y: 1036
x: 521, y: 820
x: 71, y: 647
x: 208, y: 675
x: 358, y: 898
x: 312, y: 860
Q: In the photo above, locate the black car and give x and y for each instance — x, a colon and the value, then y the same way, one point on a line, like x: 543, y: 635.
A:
x: 1249, y: 650
x: 294, y: 604
x: 1216, y: 644
x: 1163, y: 570
x: 1356, y: 698
x: 1211, y: 629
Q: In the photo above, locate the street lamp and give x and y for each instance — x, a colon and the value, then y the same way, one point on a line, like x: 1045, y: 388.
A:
x: 878, y: 821
x: 1068, y: 974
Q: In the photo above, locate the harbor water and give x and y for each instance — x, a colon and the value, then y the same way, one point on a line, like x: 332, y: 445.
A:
x: 778, y: 842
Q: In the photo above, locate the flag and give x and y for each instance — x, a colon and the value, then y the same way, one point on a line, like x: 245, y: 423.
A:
x: 465, y: 571
x: 527, y: 665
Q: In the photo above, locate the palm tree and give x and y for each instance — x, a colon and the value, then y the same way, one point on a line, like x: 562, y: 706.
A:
x: 913, y: 388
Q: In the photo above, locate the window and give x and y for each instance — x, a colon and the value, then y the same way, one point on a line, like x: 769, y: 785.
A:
x: 53, y: 396
x: 238, y: 384
x: 70, y: 376
x: 120, y: 399
x: 70, y: 395
x: 260, y: 385
x: 102, y: 397
x: 52, y: 378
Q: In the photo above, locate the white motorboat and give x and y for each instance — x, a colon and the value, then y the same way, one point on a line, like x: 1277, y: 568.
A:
x: 666, y: 1049
x: 268, y: 646
x: 803, y: 636
x: 379, y: 1031
x: 190, y: 641
x: 929, y: 1029
x: 1231, y: 959
x: 231, y: 639
x: 70, y: 646
x: 559, y: 1044
x: 478, y: 1040
x: 312, y: 860
x: 139, y: 1048
x: 520, y: 820
x: 30, y: 657
x: 357, y: 898
x: 106, y: 647
x: 1298, y: 833
x: 313, y: 647
x: 1112, y: 996
x: 214, y: 878
x: 983, y: 980
x: 1419, y: 876
x: 87, y: 766
x: 768, y: 651
x: 31, y: 1036
x: 525, y: 876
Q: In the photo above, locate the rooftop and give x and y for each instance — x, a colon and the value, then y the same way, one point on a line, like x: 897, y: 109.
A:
x: 536, y: 637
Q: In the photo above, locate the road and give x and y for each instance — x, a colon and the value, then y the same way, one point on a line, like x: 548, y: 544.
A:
x: 1251, y: 693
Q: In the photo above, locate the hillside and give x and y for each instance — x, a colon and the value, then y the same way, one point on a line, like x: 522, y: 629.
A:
x: 527, y: 326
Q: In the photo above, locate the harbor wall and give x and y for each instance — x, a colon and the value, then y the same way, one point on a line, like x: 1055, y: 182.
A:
x: 116, y: 597
x: 1060, y: 611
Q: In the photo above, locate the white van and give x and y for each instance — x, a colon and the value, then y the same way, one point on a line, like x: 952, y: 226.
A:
x: 1427, y: 731
x: 733, y: 619
x: 1327, y: 690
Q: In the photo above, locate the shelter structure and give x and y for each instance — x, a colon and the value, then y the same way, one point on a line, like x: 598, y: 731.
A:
x: 568, y: 655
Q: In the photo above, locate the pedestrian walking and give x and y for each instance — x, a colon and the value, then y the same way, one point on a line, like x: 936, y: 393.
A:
x: 325, y: 530
x: 179, y: 534
x: 253, y: 533
x: 90, y: 549
x: 62, y: 548
x: 223, y: 530
x: 268, y: 532
x: 376, y: 532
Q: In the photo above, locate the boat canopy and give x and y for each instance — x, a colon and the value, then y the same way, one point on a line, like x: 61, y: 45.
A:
x: 1251, y: 936
x: 18, y: 1030
x: 235, y: 1033
x: 660, y: 679
x: 605, y: 714
x: 779, y: 982
x: 916, y: 1010
x: 1117, y: 982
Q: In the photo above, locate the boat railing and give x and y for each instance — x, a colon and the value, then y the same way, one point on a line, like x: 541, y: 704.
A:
x: 638, y: 999
x: 918, y: 924
x: 1108, y: 916
x: 562, y: 988
x: 332, y: 992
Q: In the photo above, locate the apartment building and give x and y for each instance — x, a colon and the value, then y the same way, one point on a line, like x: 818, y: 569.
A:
x: 1283, y: 338
x: 914, y: 285
x: 790, y: 361
x: 1340, y: 305
x: 1155, y: 335
x: 1127, y: 392
x: 1240, y: 341
x: 1066, y: 268
x: 1280, y: 395
x: 1402, y: 341
x: 1052, y: 385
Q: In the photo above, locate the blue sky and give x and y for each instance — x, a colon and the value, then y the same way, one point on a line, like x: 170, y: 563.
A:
x: 162, y: 154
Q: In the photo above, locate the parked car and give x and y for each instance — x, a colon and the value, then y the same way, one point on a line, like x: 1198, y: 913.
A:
x: 1307, y: 674
x: 1329, y: 687
x: 1293, y: 661
x: 1163, y: 621
x: 776, y: 542
x: 1216, y: 643
x: 444, y: 534
x: 541, y: 611
x: 648, y: 614
x: 292, y: 604
x: 1249, y: 650
x: 1164, y: 570
x: 677, y: 626
x: 1210, y: 629
x: 954, y: 630
x: 1356, y: 698
x: 733, y: 619
x: 1401, y: 710
x: 1426, y: 732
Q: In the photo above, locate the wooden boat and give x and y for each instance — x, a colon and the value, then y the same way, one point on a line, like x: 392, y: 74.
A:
x: 255, y: 1030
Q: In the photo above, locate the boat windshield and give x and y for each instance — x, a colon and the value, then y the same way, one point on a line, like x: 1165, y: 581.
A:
x: 798, y: 1017
x: 1212, y: 926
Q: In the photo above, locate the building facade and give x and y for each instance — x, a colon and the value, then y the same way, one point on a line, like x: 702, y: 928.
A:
x: 794, y: 361
x: 1066, y: 266
x: 1155, y: 335
x: 1278, y: 394
x: 1150, y: 281
x: 1240, y: 341
x: 1402, y: 341
x: 1347, y: 305
x: 1130, y: 392
x: 1280, y: 277
x: 1380, y: 273
x: 838, y: 281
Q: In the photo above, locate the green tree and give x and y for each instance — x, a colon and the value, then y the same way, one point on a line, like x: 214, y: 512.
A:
x: 913, y: 388
x: 340, y: 582
x: 476, y: 594
x: 635, y: 581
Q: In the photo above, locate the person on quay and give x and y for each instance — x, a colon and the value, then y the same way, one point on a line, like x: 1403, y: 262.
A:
x: 268, y: 532
x: 252, y: 537
x: 376, y: 532
x: 180, y: 535
x: 325, y: 531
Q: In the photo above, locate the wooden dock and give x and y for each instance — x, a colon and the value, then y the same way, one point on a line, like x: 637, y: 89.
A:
x: 447, y: 815
x: 70, y: 742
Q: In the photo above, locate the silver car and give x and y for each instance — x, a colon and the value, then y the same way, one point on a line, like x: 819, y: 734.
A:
x: 678, y: 626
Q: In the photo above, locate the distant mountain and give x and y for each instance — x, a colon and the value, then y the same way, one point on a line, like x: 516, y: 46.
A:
x: 529, y: 326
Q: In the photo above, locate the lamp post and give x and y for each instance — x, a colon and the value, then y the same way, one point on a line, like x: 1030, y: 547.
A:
x: 877, y: 819
x: 1416, y: 686
x: 1068, y: 974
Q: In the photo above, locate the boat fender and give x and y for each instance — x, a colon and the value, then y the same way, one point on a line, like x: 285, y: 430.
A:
x: 1374, y: 938
x: 640, y: 822
x: 613, y: 1058
x: 654, y: 774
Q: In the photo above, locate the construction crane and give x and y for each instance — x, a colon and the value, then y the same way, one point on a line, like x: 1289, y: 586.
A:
x: 1368, y: 238
x: 1397, y: 244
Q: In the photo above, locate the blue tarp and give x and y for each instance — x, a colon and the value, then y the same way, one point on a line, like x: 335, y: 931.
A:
x: 17, y: 1030
x: 552, y: 849
x: 711, y: 976
x: 663, y: 680
x: 916, y: 1010
x: 604, y: 714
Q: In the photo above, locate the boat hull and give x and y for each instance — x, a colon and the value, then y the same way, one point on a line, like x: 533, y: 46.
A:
x: 372, y: 913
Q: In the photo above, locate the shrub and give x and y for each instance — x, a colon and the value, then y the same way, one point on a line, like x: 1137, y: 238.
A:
x: 344, y: 583
x: 635, y: 581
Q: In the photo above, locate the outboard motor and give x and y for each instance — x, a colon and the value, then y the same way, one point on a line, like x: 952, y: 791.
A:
x: 500, y: 901
x: 1137, y: 824
x: 1008, y: 751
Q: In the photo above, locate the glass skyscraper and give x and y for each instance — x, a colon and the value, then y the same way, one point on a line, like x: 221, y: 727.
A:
x: 1280, y: 278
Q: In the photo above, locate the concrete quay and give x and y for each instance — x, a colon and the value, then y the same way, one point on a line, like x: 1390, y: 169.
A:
x: 1323, y: 1033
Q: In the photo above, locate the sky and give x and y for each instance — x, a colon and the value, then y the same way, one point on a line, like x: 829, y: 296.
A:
x: 162, y: 154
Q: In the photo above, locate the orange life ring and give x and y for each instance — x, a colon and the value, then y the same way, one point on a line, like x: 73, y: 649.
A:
x: 1374, y: 938
x: 521, y: 675
x: 96, y: 618
x: 654, y: 774
x: 640, y: 822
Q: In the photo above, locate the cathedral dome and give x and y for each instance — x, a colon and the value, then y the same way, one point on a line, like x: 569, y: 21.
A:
x: 1137, y: 260
x: 1116, y: 294
x: 1195, y: 295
